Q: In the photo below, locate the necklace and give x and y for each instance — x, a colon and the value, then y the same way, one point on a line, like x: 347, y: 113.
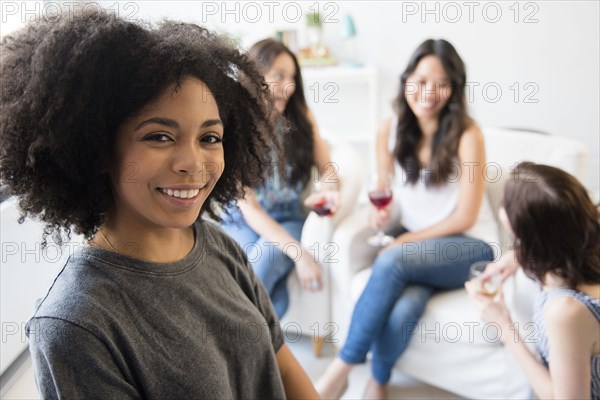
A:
x: 106, y: 240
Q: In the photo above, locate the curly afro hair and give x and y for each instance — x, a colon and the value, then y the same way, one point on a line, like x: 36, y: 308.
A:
x: 69, y: 82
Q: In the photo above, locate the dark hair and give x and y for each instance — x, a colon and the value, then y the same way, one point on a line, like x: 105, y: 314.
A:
x: 299, y: 141
x: 453, y: 118
x: 556, y: 225
x: 70, y: 81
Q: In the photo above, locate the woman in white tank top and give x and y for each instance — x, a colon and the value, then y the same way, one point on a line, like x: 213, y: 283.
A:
x: 436, y: 155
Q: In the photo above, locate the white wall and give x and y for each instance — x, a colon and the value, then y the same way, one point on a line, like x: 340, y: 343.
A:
x: 556, y: 54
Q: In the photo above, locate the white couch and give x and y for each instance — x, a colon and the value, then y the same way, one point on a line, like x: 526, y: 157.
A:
x: 309, y: 313
x: 452, y: 348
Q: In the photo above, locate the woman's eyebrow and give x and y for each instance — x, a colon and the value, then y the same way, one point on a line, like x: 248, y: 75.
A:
x: 211, y: 122
x: 171, y: 123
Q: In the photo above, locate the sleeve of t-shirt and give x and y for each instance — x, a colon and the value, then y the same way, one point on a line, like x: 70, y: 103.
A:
x: 265, y: 306
x: 225, y: 246
x: 69, y: 362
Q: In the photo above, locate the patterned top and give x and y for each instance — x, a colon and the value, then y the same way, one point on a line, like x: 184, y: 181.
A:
x: 591, y: 303
x: 278, y: 195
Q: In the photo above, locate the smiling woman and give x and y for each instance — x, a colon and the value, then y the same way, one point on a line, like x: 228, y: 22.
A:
x: 129, y: 135
x: 175, y: 145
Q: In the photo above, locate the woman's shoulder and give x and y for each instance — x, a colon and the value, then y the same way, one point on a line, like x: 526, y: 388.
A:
x: 216, y: 237
x: 471, y: 145
x: 472, y: 133
x: 385, y: 127
x: 565, y: 307
x: 79, y: 292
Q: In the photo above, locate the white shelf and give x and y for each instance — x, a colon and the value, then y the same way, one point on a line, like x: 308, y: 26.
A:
x: 344, y: 100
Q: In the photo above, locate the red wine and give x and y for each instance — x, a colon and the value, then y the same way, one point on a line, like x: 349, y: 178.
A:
x: 322, y: 208
x: 380, y: 198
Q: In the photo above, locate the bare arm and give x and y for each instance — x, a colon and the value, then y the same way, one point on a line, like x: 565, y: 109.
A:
x: 385, y: 170
x: 327, y: 170
x: 295, y: 381
x: 264, y: 225
x: 493, y: 311
x: 384, y: 158
x: 572, y: 332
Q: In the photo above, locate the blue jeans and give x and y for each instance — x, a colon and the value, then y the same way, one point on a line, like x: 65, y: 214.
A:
x: 402, y: 281
x: 268, y: 262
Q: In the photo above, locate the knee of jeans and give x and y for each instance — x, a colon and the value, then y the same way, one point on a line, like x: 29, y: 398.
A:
x: 413, y: 300
x: 390, y: 264
x: 488, y: 252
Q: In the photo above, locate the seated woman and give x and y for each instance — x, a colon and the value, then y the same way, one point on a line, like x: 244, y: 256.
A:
x: 557, y: 242
x: 269, y: 221
x: 119, y: 132
x: 435, y: 154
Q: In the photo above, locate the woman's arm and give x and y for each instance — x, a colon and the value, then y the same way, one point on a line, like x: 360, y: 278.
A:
x: 295, y: 381
x: 384, y: 164
x: 495, y: 311
x: 264, y: 225
x: 471, y: 155
x: 383, y: 157
x: 327, y: 170
x: 572, y: 332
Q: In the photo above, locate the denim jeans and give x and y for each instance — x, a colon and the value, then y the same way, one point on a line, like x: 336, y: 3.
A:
x: 268, y: 262
x: 402, y: 281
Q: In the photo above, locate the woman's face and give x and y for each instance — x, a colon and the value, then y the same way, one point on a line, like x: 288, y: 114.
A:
x: 170, y: 156
x: 428, y: 88
x: 280, y: 78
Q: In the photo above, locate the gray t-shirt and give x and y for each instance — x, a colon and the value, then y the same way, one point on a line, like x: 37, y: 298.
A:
x: 114, y: 327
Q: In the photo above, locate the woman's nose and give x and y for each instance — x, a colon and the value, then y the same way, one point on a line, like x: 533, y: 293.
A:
x: 188, y: 159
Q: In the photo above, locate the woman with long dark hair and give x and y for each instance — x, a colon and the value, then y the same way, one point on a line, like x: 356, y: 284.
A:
x: 269, y: 221
x: 434, y: 153
x: 556, y: 228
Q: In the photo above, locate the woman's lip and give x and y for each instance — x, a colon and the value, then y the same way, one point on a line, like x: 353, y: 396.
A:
x: 183, y: 187
x: 179, y: 202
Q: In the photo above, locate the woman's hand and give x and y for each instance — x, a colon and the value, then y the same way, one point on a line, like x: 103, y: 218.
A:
x: 309, y: 272
x: 379, y: 217
x: 505, y: 266
x: 330, y: 197
x: 491, y: 309
x: 406, y: 237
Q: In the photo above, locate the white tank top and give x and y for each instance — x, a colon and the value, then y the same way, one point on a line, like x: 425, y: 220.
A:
x: 421, y: 206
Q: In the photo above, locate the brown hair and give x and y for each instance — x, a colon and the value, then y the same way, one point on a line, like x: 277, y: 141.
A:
x: 453, y: 118
x: 556, y: 225
x: 299, y: 142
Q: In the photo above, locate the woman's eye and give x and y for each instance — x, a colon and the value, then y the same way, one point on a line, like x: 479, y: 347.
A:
x: 158, y: 137
x: 211, y: 139
x: 276, y: 77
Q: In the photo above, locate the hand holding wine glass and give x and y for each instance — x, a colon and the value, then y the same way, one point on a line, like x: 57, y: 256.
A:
x: 324, y: 203
x: 380, y: 195
x: 490, y: 285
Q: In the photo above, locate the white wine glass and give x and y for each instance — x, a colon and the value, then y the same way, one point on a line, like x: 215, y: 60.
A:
x: 489, y: 287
